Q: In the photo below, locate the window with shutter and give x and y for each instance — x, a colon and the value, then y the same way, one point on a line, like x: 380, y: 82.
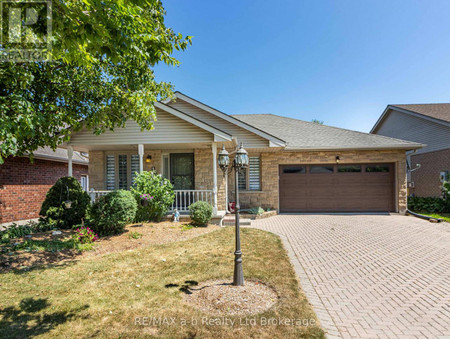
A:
x: 123, y: 176
x: 242, y: 180
x: 110, y: 172
x: 134, y: 166
x: 254, y: 174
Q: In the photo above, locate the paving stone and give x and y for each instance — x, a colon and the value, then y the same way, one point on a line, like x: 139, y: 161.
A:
x: 371, y: 276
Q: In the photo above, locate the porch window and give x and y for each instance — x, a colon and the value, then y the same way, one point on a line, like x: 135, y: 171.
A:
x: 110, y: 172
x: 134, y: 167
x: 121, y: 170
x: 250, y: 180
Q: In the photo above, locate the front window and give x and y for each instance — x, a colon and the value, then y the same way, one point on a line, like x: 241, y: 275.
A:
x: 250, y: 179
x: 121, y: 170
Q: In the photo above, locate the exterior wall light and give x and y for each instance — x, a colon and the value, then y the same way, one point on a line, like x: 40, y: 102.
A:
x: 224, y: 159
x: 148, y: 159
x: 337, y: 159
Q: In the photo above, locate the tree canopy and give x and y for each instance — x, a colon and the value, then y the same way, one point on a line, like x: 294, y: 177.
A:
x: 100, y: 75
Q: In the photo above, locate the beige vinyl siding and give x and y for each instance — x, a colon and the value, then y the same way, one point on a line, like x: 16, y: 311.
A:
x: 249, y: 139
x: 168, y: 129
x: 407, y: 127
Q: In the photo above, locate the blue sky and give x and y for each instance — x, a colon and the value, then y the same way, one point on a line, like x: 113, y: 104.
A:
x: 338, y: 61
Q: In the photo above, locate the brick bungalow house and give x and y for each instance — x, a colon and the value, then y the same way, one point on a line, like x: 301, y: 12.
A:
x: 295, y: 166
x: 428, y: 124
x: 23, y: 185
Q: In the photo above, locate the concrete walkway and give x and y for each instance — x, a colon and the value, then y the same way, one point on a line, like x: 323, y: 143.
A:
x: 371, y: 276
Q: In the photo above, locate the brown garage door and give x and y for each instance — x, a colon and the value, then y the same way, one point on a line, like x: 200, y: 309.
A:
x: 337, y: 188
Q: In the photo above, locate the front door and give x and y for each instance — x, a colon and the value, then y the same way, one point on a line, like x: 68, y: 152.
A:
x: 182, y: 171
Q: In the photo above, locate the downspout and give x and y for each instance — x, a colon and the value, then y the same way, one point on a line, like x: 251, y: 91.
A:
x: 417, y: 215
x: 426, y: 217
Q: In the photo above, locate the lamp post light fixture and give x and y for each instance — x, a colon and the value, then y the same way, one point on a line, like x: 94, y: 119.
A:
x: 240, y: 163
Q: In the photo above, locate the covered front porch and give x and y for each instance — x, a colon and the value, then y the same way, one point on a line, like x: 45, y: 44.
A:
x: 181, y: 148
x: 191, y: 168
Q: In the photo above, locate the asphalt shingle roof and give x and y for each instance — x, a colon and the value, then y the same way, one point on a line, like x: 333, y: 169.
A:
x: 59, y: 154
x: 436, y: 111
x: 299, y: 134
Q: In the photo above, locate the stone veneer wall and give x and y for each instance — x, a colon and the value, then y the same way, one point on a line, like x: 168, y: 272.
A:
x: 97, y: 169
x: 203, y: 160
x: 268, y: 196
x: 203, y: 171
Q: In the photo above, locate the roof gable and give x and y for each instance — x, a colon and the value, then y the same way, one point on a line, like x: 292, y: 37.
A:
x: 171, y: 127
x: 273, y: 140
x: 437, y: 113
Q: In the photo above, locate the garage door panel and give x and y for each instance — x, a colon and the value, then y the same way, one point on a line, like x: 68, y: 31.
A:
x: 337, y: 191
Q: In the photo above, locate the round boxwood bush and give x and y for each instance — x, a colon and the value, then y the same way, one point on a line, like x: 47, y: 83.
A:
x: 54, y: 211
x: 154, y: 195
x: 200, y: 212
x: 112, y: 212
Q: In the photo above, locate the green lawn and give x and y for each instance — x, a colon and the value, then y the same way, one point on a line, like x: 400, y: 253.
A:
x: 445, y: 216
x: 103, y: 296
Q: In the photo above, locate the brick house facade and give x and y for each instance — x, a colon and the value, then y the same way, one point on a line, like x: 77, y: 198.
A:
x: 428, y: 124
x: 426, y: 179
x: 23, y: 185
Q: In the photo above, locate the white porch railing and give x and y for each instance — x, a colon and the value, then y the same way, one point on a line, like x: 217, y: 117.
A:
x: 183, y: 198
x: 96, y: 194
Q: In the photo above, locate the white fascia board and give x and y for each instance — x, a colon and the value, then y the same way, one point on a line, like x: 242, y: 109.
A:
x: 353, y: 148
x: 220, y: 134
x: 275, y: 141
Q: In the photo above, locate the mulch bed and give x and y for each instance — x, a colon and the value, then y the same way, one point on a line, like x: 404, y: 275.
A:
x: 220, y: 297
x: 152, y: 234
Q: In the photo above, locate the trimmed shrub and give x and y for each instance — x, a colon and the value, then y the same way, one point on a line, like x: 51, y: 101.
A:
x: 200, y: 212
x: 112, y: 212
x: 256, y: 210
x: 428, y: 205
x: 154, y: 195
x: 54, y: 211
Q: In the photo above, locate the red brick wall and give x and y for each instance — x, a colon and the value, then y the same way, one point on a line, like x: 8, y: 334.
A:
x: 23, y: 185
x: 426, y: 178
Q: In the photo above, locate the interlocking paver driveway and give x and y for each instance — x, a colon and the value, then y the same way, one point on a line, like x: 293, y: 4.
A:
x: 371, y: 276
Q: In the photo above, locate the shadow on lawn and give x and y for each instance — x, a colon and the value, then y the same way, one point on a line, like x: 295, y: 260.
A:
x: 24, y: 321
x: 186, y: 287
x: 24, y: 262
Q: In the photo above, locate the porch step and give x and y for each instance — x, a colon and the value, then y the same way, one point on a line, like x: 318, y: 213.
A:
x: 230, y: 220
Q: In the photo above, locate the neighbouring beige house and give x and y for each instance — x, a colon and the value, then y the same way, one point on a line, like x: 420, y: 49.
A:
x: 295, y: 166
x: 428, y: 124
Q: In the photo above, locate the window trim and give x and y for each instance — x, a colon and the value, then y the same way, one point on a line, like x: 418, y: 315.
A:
x: 247, y: 176
x: 116, y: 167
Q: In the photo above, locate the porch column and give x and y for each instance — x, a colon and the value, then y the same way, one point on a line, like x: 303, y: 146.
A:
x: 141, y: 157
x: 214, y: 152
x: 69, y: 164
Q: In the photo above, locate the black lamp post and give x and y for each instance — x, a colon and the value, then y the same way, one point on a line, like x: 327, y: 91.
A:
x: 240, y: 163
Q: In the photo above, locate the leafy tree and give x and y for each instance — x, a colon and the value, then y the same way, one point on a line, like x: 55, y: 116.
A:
x: 316, y: 121
x: 100, y: 75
